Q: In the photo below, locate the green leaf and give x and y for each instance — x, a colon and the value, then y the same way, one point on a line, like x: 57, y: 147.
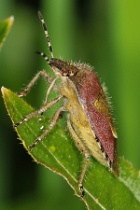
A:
x: 58, y: 153
x: 5, y: 26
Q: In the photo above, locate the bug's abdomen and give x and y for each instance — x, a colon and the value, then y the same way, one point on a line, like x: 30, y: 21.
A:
x: 83, y: 129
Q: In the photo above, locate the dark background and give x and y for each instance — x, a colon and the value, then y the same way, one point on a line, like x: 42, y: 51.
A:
x: 105, y: 34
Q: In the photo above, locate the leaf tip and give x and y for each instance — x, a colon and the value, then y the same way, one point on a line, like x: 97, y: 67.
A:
x: 5, y: 26
x: 3, y: 90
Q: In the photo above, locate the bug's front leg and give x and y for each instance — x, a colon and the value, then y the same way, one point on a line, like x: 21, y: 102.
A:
x: 84, y: 151
x: 42, y: 73
x: 52, y: 86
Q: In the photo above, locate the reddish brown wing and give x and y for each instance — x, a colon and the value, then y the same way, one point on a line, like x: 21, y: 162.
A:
x: 89, y: 88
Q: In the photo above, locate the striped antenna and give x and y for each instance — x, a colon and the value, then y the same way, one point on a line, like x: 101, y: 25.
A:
x: 43, y: 55
x: 46, y: 35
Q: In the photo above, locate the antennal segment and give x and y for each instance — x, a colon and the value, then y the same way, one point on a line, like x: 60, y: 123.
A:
x: 46, y: 33
x: 43, y: 55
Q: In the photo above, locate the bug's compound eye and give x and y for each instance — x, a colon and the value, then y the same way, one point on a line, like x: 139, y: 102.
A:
x: 71, y: 73
x: 68, y: 73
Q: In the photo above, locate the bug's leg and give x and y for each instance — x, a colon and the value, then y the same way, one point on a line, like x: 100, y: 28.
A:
x: 54, y: 120
x: 44, y: 108
x: 82, y: 175
x: 49, y: 89
x: 33, y: 81
x: 84, y: 151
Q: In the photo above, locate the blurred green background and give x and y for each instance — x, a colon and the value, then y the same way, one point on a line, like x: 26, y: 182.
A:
x: 105, y: 34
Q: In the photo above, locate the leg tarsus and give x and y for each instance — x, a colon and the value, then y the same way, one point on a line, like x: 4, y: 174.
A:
x: 81, y: 188
x: 82, y: 175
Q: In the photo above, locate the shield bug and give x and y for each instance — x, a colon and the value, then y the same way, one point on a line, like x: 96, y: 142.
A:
x: 89, y: 119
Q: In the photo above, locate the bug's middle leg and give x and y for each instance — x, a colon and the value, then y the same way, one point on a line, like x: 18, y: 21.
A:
x: 43, y: 109
x: 53, y: 122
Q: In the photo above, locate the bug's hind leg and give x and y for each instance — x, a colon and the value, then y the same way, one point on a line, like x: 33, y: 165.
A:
x: 84, y: 151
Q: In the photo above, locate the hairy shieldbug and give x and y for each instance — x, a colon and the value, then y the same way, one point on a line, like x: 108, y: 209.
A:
x: 89, y: 119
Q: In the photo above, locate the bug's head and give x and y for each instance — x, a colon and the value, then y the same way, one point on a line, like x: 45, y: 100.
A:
x: 62, y: 68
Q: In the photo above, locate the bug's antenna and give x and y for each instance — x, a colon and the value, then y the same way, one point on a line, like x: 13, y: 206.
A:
x: 43, y: 55
x: 46, y: 33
